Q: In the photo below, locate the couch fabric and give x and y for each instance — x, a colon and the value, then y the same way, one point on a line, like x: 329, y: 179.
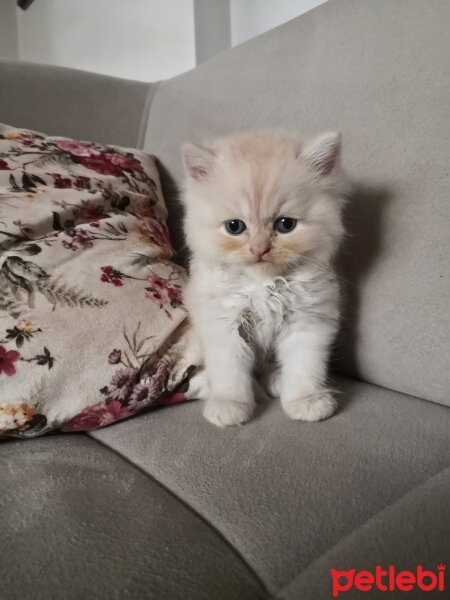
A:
x: 167, y: 506
x: 84, y: 106
x: 84, y: 523
x: 269, y: 508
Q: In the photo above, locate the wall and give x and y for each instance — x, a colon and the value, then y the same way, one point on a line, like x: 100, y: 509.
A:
x: 139, y: 39
x: 9, y: 46
x: 212, y: 28
x: 136, y: 39
x: 252, y: 17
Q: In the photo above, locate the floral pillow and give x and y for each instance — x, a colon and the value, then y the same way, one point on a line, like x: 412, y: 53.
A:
x: 91, y: 312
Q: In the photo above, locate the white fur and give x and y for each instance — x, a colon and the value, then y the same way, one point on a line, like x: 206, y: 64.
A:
x: 280, y: 315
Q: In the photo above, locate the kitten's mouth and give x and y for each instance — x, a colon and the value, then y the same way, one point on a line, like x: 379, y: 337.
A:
x: 261, y: 260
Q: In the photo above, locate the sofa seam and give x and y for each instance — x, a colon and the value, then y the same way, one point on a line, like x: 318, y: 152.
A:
x: 146, y: 113
x: 356, y: 379
x: 300, y: 574
x: 359, y: 379
x: 183, y: 502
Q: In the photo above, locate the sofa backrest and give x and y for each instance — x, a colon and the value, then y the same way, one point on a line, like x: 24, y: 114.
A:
x: 378, y: 71
x: 77, y: 104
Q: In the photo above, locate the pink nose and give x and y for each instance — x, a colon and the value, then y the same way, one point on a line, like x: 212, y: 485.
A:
x: 260, y: 251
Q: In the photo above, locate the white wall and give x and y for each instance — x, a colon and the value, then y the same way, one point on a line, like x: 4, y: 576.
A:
x: 212, y: 28
x: 135, y: 39
x: 252, y: 17
x: 9, y: 46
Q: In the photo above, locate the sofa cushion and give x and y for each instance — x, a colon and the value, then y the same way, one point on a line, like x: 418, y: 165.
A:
x: 413, y: 530
x: 283, y: 493
x: 82, y: 522
x: 90, y: 302
x: 377, y: 71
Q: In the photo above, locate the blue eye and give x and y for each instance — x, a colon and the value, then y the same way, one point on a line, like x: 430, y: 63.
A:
x: 235, y: 226
x: 285, y: 224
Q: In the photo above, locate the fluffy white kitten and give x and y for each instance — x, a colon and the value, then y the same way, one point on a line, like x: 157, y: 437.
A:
x: 263, y: 223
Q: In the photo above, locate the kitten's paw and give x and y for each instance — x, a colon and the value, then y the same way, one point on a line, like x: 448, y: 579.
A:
x: 313, y: 407
x: 224, y: 413
x: 272, y: 384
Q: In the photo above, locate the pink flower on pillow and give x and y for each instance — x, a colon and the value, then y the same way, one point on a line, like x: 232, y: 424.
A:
x: 7, y: 361
x: 111, y: 275
x: 77, y: 148
x: 81, y: 240
x: 163, y: 292
x: 115, y: 357
x: 100, y: 164
x: 96, y: 416
x: 157, y: 232
x: 175, y: 398
x: 124, y: 162
x: 122, y: 384
x: 150, y: 388
x: 82, y: 182
x: 61, y: 182
x: 4, y: 165
x: 92, y: 214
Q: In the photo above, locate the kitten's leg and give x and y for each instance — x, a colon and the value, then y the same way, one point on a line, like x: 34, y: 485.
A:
x: 270, y: 381
x: 267, y: 375
x: 199, y: 386
x: 303, y: 354
x: 229, y: 370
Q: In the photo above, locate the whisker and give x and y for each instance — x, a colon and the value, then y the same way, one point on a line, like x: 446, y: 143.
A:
x: 304, y: 259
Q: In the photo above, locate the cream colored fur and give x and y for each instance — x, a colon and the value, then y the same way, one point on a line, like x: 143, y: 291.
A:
x: 263, y: 303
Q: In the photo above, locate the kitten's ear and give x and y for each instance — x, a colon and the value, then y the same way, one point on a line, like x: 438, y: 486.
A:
x: 322, y: 152
x: 197, y: 160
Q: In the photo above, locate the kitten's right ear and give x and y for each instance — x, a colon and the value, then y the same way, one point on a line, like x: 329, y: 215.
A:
x: 197, y: 160
x: 322, y: 152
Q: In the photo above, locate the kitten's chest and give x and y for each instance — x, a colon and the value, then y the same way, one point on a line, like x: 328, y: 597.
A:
x: 259, y: 310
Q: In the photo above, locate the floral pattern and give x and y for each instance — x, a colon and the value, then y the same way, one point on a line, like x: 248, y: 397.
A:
x: 136, y: 384
x: 8, y: 359
x: 164, y: 293
x: 84, y: 260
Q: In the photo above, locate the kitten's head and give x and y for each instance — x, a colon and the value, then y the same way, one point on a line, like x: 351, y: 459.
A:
x: 264, y: 201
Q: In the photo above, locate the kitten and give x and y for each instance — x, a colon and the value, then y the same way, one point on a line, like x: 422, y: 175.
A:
x: 263, y: 223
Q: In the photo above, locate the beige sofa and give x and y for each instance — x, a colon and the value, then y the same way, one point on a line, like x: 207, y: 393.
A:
x: 167, y: 506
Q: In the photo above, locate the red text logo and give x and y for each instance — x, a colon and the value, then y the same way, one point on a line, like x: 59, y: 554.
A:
x: 388, y: 580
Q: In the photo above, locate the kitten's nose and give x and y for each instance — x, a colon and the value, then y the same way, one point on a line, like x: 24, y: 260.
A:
x: 260, y: 250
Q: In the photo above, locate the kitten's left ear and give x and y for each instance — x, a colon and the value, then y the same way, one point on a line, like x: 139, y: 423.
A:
x: 197, y: 160
x: 322, y: 152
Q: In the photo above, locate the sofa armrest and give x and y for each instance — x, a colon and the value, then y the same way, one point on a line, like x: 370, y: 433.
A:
x: 67, y: 102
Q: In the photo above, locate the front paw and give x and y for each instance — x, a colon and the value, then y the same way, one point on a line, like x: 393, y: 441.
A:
x: 272, y: 384
x: 224, y: 413
x: 311, y: 407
